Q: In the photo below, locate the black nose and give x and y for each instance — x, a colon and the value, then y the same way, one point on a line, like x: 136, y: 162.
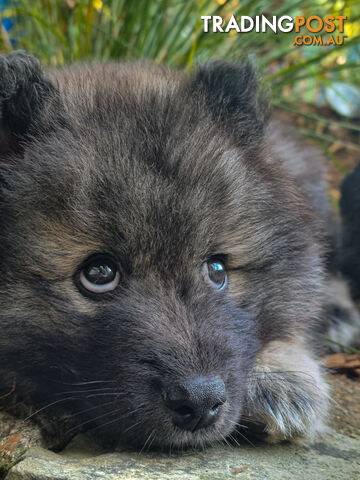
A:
x: 196, y: 403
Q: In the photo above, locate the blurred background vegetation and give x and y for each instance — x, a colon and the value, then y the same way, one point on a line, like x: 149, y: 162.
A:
x: 318, y: 87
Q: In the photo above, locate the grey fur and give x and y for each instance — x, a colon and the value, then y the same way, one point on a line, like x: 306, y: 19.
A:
x: 163, y: 171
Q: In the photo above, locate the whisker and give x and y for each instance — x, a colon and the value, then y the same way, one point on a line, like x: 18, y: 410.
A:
x: 237, y: 424
x: 116, y: 420
x: 225, y: 440
x: 112, y: 412
x: 152, y: 440
x: 84, y: 391
x: 146, y: 441
x: 233, y: 439
x: 50, y: 405
x: 280, y: 372
x: 91, y: 408
x: 245, y: 438
x: 216, y: 443
x: 86, y: 383
x: 109, y: 394
x: 93, y: 419
x: 132, y: 426
x: 249, y: 420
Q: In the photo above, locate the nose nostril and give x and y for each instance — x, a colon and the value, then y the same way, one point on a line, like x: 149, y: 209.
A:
x: 214, y: 410
x: 184, y: 411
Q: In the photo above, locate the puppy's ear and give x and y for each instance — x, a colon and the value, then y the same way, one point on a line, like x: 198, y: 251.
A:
x: 232, y: 93
x: 24, y: 90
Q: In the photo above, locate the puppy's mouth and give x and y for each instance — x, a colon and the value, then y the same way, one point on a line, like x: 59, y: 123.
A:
x: 181, y: 425
x: 161, y: 434
x: 202, y: 434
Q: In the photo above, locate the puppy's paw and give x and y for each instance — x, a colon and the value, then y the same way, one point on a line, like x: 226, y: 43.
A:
x: 289, y: 398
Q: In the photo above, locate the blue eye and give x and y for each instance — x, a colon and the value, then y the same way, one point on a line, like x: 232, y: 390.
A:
x: 217, y: 273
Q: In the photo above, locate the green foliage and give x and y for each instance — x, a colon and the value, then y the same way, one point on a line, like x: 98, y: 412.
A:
x: 171, y: 31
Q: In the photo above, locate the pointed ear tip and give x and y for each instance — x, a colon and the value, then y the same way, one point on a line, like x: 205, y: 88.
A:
x: 19, y: 56
x: 18, y: 68
x: 226, y: 67
x: 234, y: 92
x: 229, y: 77
x: 24, y: 89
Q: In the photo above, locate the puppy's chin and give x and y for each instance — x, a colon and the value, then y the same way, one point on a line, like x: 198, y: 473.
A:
x: 162, y: 434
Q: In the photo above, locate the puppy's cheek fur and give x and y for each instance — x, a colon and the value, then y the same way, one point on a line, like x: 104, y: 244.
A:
x: 238, y: 286
x: 287, y: 393
x: 81, y: 304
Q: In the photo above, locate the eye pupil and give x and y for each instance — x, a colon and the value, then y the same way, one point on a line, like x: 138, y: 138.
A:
x: 100, y: 274
x: 217, y: 273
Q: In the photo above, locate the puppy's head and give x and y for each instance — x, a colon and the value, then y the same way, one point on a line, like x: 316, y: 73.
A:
x: 150, y: 247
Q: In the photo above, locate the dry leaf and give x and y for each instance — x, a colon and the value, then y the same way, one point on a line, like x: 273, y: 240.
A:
x: 240, y: 469
x: 343, y: 361
x: 11, y: 443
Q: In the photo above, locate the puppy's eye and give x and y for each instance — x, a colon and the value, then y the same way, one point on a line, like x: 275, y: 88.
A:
x: 100, y: 275
x: 216, y: 273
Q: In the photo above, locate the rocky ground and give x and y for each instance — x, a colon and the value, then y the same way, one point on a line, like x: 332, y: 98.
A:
x: 345, y: 417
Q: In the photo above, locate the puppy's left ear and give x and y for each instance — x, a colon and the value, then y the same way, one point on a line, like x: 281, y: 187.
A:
x: 235, y: 100
x: 24, y: 90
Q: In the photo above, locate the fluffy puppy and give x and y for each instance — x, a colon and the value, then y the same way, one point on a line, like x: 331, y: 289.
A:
x: 161, y: 269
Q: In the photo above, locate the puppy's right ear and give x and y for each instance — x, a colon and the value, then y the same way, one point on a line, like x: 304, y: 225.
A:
x: 24, y: 90
x: 233, y: 95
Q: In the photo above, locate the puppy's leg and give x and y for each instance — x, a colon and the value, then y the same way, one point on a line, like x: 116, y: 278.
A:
x: 287, y: 393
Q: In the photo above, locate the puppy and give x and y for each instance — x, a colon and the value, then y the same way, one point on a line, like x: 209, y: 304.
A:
x: 161, y: 269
